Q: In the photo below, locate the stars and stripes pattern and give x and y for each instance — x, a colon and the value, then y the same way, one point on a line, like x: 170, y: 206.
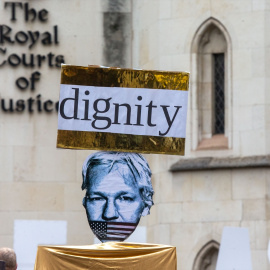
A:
x: 112, y: 231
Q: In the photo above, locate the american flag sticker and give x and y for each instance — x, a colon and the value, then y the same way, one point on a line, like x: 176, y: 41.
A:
x: 112, y: 231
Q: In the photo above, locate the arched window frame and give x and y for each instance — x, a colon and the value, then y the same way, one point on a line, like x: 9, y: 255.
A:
x: 200, y: 260
x: 194, y: 79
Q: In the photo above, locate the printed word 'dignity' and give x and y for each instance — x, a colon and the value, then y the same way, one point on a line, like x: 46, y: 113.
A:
x: 135, y: 111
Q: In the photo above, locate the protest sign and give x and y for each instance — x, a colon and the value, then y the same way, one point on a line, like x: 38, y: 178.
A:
x: 122, y: 110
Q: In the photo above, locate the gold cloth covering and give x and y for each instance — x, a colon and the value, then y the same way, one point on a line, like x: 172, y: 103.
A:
x: 116, y: 77
x: 111, y: 255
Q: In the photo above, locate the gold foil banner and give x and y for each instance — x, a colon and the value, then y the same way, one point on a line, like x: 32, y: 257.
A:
x: 111, y: 255
x: 115, y: 77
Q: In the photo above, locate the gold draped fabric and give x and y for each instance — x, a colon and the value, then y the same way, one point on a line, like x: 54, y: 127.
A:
x: 110, y: 255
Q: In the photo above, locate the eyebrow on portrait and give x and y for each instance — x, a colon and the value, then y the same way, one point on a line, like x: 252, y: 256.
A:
x: 99, y: 193
x: 104, y: 194
x: 120, y: 193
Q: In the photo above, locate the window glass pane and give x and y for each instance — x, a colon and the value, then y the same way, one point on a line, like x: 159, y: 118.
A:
x: 219, y: 93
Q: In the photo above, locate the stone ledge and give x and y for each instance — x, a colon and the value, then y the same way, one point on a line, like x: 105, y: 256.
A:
x: 218, y: 141
x: 209, y: 163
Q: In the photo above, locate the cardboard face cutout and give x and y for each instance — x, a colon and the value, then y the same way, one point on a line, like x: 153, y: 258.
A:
x: 118, y: 192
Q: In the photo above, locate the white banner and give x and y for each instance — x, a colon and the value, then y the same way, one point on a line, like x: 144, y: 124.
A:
x: 234, y: 252
x: 137, y: 111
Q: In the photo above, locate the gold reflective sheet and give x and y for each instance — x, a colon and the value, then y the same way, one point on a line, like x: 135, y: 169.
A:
x: 111, y: 255
x: 116, y: 77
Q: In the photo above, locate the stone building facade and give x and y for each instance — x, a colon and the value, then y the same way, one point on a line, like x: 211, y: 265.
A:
x: 224, y: 178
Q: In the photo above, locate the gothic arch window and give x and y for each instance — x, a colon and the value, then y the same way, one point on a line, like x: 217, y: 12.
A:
x: 206, y: 259
x: 211, y: 86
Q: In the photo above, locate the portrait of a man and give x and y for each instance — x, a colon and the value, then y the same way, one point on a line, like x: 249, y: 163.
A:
x: 118, y: 192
